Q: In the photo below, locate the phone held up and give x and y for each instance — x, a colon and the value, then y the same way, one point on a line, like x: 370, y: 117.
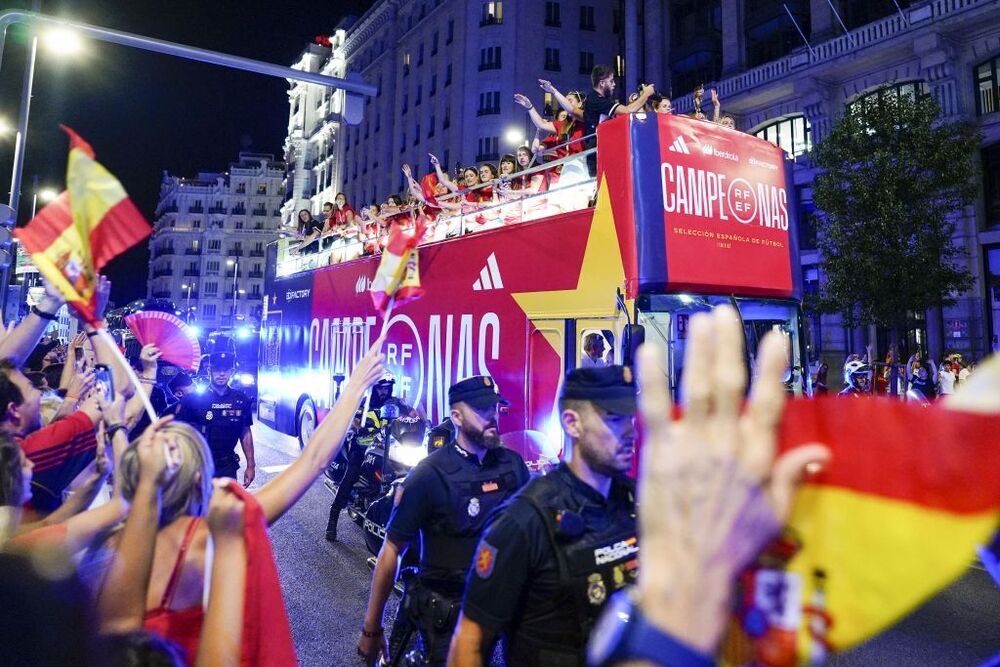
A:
x: 104, y: 382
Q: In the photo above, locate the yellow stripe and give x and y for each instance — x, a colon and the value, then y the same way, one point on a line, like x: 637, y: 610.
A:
x: 93, y: 190
x: 881, y: 557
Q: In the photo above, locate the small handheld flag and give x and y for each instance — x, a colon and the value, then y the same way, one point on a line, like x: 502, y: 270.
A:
x: 398, y: 274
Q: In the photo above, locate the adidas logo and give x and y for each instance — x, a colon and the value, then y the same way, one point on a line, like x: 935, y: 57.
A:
x: 679, y: 146
x: 362, y: 285
x: 489, y: 276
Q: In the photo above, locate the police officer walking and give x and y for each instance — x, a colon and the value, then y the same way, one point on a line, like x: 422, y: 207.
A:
x: 565, y: 542
x: 358, y: 442
x: 445, y: 500
x: 224, y: 416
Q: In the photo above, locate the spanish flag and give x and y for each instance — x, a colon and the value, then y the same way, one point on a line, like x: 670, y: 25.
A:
x: 398, y: 274
x: 895, y: 517
x: 87, y: 226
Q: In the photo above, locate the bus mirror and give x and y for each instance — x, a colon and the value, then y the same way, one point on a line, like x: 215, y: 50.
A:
x: 633, y: 336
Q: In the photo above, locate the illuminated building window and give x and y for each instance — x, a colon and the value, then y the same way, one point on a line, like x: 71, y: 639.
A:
x: 791, y: 134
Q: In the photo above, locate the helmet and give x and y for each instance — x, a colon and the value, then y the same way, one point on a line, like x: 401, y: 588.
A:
x: 408, y: 430
x: 856, y: 375
x: 386, y: 379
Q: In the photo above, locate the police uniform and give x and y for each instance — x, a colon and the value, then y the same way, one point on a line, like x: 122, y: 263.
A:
x: 446, y: 501
x: 544, y: 569
x: 221, y: 418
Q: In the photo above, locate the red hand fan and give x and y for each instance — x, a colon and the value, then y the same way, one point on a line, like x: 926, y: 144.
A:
x: 177, y: 341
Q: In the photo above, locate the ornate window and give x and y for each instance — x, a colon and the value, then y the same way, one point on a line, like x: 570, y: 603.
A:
x: 792, y: 134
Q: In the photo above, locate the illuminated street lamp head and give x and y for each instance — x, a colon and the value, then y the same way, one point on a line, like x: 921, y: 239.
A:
x: 514, y: 136
x: 63, y: 41
x: 5, y: 127
x: 184, y: 286
x: 47, y: 194
x: 230, y: 262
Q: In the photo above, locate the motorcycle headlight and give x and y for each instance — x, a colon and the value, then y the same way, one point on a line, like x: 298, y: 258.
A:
x: 246, y: 378
x: 407, y: 455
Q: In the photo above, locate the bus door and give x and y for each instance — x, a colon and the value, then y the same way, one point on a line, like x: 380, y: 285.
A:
x: 540, y: 442
x: 597, y: 342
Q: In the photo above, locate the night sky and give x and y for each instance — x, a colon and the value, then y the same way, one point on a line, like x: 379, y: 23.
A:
x: 144, y: 112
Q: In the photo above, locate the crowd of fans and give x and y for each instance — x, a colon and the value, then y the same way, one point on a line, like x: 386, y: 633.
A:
x: 552, y: 173
x: 920, y: 379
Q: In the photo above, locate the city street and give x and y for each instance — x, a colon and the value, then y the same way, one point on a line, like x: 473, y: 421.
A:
x: 326, y: 590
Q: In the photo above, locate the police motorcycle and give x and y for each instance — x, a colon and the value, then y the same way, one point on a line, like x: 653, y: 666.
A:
x: 371, y: 499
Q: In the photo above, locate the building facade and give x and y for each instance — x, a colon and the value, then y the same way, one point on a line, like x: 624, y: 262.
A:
x: 208, y: 244
x: 778, y: 87
x: 446, y: 72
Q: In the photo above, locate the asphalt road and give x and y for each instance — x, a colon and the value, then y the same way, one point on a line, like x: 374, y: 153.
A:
x: 326, y: 591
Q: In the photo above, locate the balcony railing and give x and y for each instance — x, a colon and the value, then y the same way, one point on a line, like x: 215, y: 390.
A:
x: 255, y: 253
x: 255, y: 274
x: 214, y: 251
x: 163, y: 252
x: 260, y: 212
x: 191, y: 273
x: 196, y: 209
x: 490, y: 20
x: 163, y: 272
x: 192, y: 251
x: 161, y: 295
x: 217, y: 210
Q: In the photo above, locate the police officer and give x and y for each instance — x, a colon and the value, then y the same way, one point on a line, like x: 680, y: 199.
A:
x: 566, y: 542
x: 224, y: 416
x: 446, y: 500
x: 359, y: 441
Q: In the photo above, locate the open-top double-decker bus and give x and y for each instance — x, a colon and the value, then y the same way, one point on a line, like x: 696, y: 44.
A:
x: 683, y: 215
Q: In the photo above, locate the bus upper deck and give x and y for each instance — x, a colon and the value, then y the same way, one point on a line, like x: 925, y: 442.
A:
x: 687, y: 215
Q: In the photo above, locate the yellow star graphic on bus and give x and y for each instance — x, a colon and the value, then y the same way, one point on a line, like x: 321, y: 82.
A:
x: 601, y: 272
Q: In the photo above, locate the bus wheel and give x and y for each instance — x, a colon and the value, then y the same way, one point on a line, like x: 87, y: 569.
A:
x: 306, y: 421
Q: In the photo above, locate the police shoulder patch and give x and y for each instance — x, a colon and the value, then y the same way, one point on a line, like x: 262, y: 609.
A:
x: 486, y: 558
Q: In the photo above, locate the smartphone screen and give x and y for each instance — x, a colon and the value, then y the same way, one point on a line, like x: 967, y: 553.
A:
x: 104, y: 382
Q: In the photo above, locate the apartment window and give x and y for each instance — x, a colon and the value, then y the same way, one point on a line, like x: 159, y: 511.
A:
x: 489, y: 58
x: 587, y: 18
x: 988, y: 86
x: 406, y: 63
x: 262, y: 189
x: 420, y: 95
x: 434, y: 43
x: 586, y: 62
x: 451, y: 31
x: 447, y: 75
x: 447, y: 119
x: 420, y: 54
x: 791, y: 134
x: 239, y: 224
x: 215, y: 244
x: 378, y: 122
x: 211, y: 288
x: 196, y: 224
x: 402, y: 144
x: 552, y: 14
x: 489, y: 103
x: 991, y: 187
x: 447, y: 153
x: 489, y: 149
x: 911, y: 89
x: 434, y: 84
x: 208, y: 310
x: 552, y: 59
x: 430, y: 130
x: 416, y: 134
x: 406, y: 103
x: 492, y: 13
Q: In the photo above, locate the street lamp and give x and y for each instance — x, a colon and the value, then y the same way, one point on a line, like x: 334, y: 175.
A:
x: 187, y: 312
x: 45, y: 195
x: 5, y: 127
x: 514, y: 136
x: 235, y: 263
x: 63, y: 41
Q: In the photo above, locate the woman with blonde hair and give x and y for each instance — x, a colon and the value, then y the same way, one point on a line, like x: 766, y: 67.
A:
x: 177, y: 573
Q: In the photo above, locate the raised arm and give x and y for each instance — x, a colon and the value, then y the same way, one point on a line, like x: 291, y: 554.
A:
x: 121, y: 602
x: 442, y: 177
x: 19, y: 343
x: 148, y: 357
x: 413, y: 186
x: 536, y: 117
x: 284, y: 490
x: 222, y: 632
x: 561, y: 99
x: 102, y: 350
x: 647, y: 91
x: 715, y: 105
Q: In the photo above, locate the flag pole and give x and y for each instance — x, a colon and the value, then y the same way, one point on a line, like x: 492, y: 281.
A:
x: 381, y: 337
x: 106, y: 337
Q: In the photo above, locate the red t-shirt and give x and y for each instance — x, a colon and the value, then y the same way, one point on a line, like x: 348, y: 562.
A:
x: 59, y: 451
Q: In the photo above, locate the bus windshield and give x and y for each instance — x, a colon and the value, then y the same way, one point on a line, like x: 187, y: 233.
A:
x: 667, y: 318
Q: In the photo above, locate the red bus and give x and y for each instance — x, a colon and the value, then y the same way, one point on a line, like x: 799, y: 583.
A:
x: 686, y: 215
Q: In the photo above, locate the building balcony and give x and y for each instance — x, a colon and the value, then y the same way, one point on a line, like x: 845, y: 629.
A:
x: 259, y: 212
x: 239, y: 210
x: 255, y: 274
x: 217, y: 210
x: 490, y: 20
x: 189, y: 273
x: 163, y: 272
x: 164, y: 252
x: 192, y: 251
x: 255, y: 253
x: 196, y: 209
x: 162, y: 294
x: 170, y: 209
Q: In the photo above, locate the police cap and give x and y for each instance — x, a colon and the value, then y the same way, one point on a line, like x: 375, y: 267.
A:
x: 479, y: 391
x: 610, y: 387
x: 221, y: 361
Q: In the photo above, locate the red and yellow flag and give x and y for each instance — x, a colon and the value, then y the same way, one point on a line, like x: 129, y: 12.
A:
x: 87, y: 226
x: 893, y: 518
x: 398, y: 273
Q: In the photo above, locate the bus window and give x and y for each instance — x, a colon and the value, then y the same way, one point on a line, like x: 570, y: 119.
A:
x: 597, y: 348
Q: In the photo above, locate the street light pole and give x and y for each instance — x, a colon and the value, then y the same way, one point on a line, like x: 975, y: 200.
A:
x: 187, y: 310
x: 236, y: 274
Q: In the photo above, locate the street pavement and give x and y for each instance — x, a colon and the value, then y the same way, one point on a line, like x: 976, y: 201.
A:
x: 326, y: 591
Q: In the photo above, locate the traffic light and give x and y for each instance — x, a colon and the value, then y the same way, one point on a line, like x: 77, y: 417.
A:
x: 8, y: 218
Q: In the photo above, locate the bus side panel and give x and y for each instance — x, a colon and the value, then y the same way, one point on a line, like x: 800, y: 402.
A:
x: 284, y: 338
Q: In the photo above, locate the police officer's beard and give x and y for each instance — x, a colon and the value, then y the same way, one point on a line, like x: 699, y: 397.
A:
x: 479, y: 437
